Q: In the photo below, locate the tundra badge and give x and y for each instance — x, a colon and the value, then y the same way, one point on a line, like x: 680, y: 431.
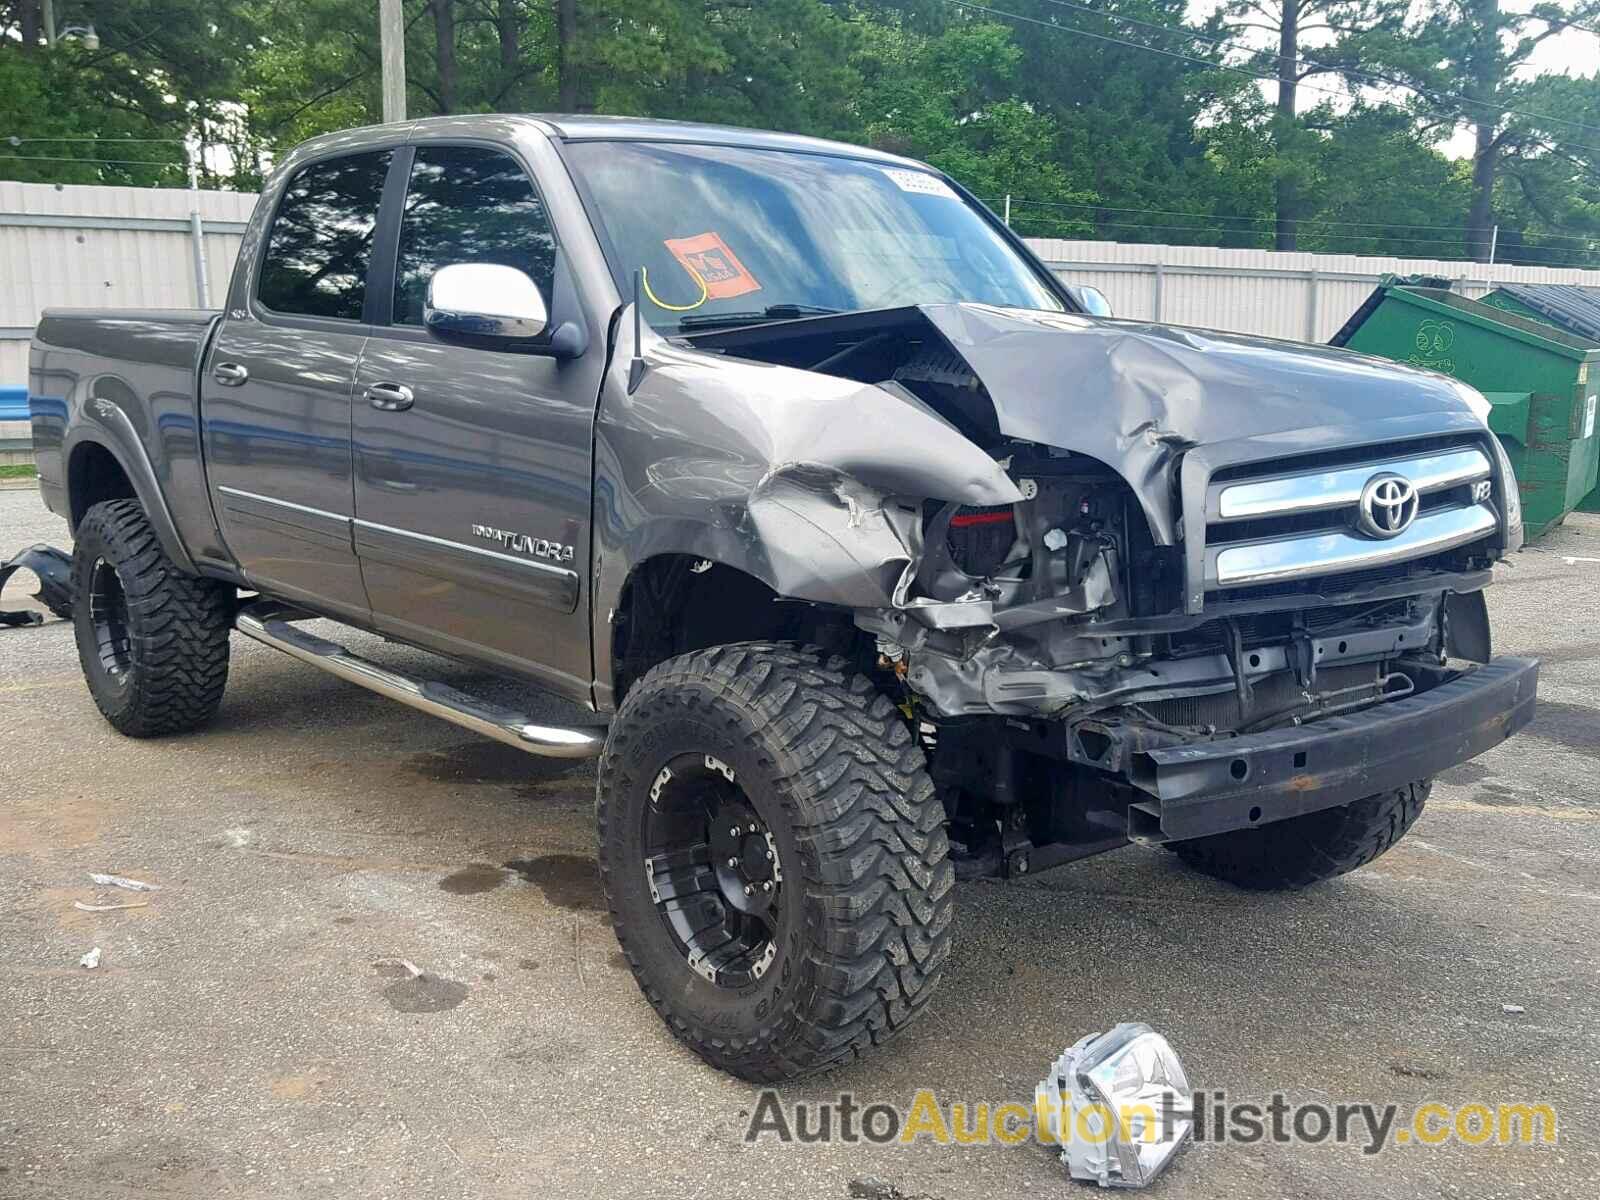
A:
x: 522, y: 543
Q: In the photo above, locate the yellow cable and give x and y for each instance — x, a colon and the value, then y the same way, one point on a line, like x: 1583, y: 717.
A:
x: 705, y: 292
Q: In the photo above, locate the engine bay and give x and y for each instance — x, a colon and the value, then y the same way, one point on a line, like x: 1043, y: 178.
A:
x: 1069, y: 602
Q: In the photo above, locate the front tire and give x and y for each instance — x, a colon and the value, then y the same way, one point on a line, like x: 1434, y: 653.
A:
x: 735, y: 768
x: 153, y: 641
x: 1300, y: 851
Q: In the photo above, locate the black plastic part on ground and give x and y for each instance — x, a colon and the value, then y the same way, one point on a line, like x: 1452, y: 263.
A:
x: 54, y: 569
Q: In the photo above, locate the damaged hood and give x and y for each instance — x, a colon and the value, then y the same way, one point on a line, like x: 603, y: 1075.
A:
x: 1136, y: 395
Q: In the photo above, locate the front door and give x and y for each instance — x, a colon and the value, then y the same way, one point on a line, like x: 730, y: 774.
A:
x: 276, y: 389
x: 473, y: 465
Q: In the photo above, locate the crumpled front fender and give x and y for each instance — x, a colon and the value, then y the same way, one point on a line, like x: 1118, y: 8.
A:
x: 810, y: 483
x: 830, y: 538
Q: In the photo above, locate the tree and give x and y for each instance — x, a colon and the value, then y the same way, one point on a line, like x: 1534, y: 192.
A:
x: 952, y: 100
x: 1289, y: 23
x: 1118, y: 119
x: 1547, y: 201
x: 27, y: 18
x: 160, y: 75
x: 567, y: 56
x: 1464, y: 61
x: 1131, y: 106
x: 1380, y: 186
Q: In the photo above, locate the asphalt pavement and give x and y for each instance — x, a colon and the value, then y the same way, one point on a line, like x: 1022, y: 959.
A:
x: 378, y: 963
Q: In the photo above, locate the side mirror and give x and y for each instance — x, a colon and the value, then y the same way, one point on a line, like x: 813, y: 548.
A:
x: 1091, y: 299
x: 484, y: 300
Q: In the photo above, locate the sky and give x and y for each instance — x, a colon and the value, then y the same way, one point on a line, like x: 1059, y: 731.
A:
x: 1571, y: 52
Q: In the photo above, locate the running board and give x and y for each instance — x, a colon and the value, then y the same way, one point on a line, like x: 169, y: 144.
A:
x: 271, y: 624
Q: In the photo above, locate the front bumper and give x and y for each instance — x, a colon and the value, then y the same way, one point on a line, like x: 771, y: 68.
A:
x: 1192, y: 790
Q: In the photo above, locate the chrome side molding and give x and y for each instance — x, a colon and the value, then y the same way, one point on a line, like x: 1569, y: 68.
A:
x: 271, y: 624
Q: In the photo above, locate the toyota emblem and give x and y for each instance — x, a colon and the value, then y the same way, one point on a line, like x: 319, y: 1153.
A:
x: 1388, y: 506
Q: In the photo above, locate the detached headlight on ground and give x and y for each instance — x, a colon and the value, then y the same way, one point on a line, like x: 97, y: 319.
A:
x: 1119, y: 1105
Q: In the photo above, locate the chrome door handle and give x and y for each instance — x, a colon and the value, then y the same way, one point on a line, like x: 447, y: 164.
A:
x: 229, y: 374
x: 390, y: 397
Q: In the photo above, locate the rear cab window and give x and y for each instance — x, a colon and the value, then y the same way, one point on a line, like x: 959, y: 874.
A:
x: 320, y: 244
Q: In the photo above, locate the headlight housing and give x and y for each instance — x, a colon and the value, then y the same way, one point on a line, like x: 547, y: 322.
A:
x: 1119, y: 1105
x: 1512, y: 498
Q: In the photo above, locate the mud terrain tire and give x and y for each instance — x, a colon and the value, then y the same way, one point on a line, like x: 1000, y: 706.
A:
x: 153, y: 641
x: 1301, y: 851
x: 861, y: 920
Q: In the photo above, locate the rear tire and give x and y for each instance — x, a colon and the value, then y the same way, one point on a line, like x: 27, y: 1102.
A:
x: 153, y: 641
x: 802, y: 756
x: 1301, y: 851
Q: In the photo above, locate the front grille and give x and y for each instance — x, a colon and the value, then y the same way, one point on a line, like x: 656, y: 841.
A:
x: 1342, y: 583
x: 1266, y: 528
x: 1292, y: 526
x: 1346, y: 456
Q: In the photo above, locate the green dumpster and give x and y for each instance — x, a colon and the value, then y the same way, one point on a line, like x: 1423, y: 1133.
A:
x: 1540, y: 381
x: 1566, y: 306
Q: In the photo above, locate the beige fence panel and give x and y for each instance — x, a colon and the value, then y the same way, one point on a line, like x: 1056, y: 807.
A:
x: 1305, y: 297
x: 114, y: 247
x: 105, y: 247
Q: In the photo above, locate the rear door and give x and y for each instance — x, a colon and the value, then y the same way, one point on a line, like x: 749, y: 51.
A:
x: 473, y: 464
x: 276, y: 388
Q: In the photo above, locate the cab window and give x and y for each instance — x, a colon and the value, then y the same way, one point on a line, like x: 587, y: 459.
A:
x: 320, y: 245
x: 467, y: 204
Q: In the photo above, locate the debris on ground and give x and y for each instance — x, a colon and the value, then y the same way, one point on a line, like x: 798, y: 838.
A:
x: 1099, y: 1103
x: 422, y: 993
x: 122, y: 881
x: 1512, y: 1008
x: 81, y: 906
x: 870, y: 1187
x: 91, y: 959
x: 54, y: 569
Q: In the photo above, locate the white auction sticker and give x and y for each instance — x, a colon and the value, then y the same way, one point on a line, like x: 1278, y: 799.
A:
x: 920, y: 183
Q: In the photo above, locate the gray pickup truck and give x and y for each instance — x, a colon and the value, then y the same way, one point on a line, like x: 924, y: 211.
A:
x: 880, y: 558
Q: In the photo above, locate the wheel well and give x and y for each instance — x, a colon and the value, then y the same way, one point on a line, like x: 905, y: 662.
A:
x: 675, y: 603
x: 93, y: 476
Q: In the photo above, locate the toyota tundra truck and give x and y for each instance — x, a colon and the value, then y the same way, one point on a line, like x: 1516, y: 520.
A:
x: 875, y: 554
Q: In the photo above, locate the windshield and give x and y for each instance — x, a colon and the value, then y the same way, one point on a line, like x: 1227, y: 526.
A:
x: 724, y: 234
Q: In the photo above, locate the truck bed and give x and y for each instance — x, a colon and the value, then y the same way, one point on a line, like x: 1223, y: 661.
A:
x: 129, y: 376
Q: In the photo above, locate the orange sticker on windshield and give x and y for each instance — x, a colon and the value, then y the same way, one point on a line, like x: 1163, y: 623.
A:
x: 708, y: 256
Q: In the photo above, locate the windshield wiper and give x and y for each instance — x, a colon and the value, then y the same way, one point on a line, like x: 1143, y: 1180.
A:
x: 772, y: 312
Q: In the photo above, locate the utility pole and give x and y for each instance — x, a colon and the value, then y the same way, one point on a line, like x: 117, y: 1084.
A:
x: 1286, y: 195
x: 392, y: 50
x: 49, y: 7
x: 197, y: 229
